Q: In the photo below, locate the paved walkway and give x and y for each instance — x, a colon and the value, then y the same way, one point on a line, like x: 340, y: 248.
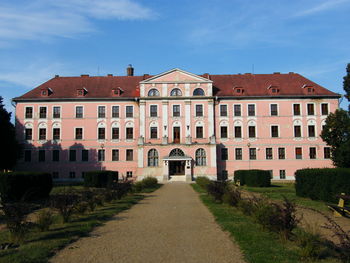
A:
x: 170, y: 225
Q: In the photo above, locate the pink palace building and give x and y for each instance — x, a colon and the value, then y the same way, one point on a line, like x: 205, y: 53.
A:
x: 174, y: 126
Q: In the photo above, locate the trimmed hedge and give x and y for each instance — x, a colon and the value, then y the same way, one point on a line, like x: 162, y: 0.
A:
x: 322, y: 184
x: 15, y: 186
x: 255, y: 178
x: 100, y: 179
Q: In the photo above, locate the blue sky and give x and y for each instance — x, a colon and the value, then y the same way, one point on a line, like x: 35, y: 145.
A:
x: 42, y: 38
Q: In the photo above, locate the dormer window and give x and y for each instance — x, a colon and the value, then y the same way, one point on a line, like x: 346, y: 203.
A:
x: 274, y: 90
x: 238, y: 90
x: 117, y: 92
x: 308, y: 89
x: 82, y: 92
x: 46, y: 92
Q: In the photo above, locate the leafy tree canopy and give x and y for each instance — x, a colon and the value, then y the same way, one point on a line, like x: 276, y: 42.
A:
x: 9, y: 147
x: 336, y: 133
x: 346, y: 83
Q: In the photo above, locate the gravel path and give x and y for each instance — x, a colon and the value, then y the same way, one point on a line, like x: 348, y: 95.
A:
x: 170, y: 225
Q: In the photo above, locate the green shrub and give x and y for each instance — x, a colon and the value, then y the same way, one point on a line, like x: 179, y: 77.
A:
x: 232, y: 196
x: 138, y: 186
x: 65, y: 203
x: 149, y: 182
x: 100, y: 179
x: 217, y: 189
x: 15, y: 186
x: 121, y: 189
x: 246, y: 206
x: 15, y: 215
x: 203, y: 181
x: 309, y: 242
x: 44, y: 219
x: 255, y: 178
x: 322, y: 183
x: 81, y: 207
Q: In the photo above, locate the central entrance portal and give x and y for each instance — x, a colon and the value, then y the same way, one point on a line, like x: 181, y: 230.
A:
x: 177, y: 167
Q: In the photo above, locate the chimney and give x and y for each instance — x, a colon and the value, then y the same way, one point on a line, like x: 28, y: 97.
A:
x: 130, y: 70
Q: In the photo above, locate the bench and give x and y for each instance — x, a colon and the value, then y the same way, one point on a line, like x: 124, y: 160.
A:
x: 341, y: 209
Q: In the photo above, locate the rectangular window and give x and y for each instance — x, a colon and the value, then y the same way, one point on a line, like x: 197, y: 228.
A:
x: 310, y: 109
x: 238, y: 132
x: 115, y: 155
x: 324, y: 109
x: 129, y: 133
x: 42, y: 134
x: 56, y: 114
x: 72, y: 155
x: 28, y: 134
x: 297, y: 131
x: 199, y: 132
x: 312, y: 152
x: 238, y: 153
x: 41, y: 155
x: 79, y: 112
x: 129, y: 111
x: 176, y: 110
x: 115, y: 111
x: 42, y: 112
x: 311, y: 130
x: 101, y: 155
x: 296, y: 109
x: 129, y: 155
x: 71, y: 175
x: 327, y: 152
x: 224, y: 154
x: 101, y: 133
x: 251, y: 131
x: 27, y: 155
x: 128, y: 174
x: 223, y: 132
x: 55, y: 155
x: 56, y: 133
x: 273, y: 109
x: 281, y: 153
x: 115, y: 133
x: 237, y: 110
x: 101, y: 111
x: 78, y: 133
x: 199, y: 110
x: 29, y: 113
x: 282, y: 174
x: 153, y: 110
x: 85, y: 155
x: 223, y: 110
x: 274, y: 131
x: 252, y: 153
x: 269, y: 155
x: 298, y: 153
x: 251, y: 110
x: 154, y: 132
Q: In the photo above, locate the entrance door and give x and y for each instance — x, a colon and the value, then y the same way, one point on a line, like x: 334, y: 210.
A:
x: 176, y: 135
x: 177, y: 168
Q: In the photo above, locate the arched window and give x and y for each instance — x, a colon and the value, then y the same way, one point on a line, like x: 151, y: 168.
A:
x: 201, y: 159
x: 153, y: 93
x: 152, y: 157
x: 176, y: 92
x: 176, y: 152
x: 198, y: 92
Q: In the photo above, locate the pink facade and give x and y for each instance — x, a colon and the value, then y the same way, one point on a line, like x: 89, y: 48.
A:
x: 175, y: 125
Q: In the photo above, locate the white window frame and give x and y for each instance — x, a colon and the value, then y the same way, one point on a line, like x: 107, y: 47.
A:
x: 255, y: 110
x: 151, y: 111
x: 233, y: 110
x: 52, y: 112
x: 133, y: 112
x: 33, y: 113
x: 279, y: 131
x: 278, y: 109
x: 75, y: 111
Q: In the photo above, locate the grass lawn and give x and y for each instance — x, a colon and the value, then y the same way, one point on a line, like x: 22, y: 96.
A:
x: 40, y: 246
x: 277, y: 191
x: 258, y: 246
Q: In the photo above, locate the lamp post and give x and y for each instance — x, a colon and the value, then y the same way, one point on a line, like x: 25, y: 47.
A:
x: 248, y: 144
x: 102, y: 155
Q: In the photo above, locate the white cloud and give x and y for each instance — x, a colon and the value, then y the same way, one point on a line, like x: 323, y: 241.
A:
x: 43, y: 19
x: 322, y: 6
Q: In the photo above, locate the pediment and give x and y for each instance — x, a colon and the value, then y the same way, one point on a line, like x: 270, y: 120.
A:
x: 177, y: 76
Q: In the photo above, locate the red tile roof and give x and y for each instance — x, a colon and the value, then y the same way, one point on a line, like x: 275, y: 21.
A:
x: 252, y: 84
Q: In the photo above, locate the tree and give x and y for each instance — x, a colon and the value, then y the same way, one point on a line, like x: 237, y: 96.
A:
x: 9, y: 147
x: 346, y: 83
x: 336, y: 133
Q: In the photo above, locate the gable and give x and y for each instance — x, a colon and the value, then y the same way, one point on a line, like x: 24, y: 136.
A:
x: 177, y: 76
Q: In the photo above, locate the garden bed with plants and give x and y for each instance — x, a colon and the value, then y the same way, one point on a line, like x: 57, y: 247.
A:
x: 35, y: 231
x: 270, y: 231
